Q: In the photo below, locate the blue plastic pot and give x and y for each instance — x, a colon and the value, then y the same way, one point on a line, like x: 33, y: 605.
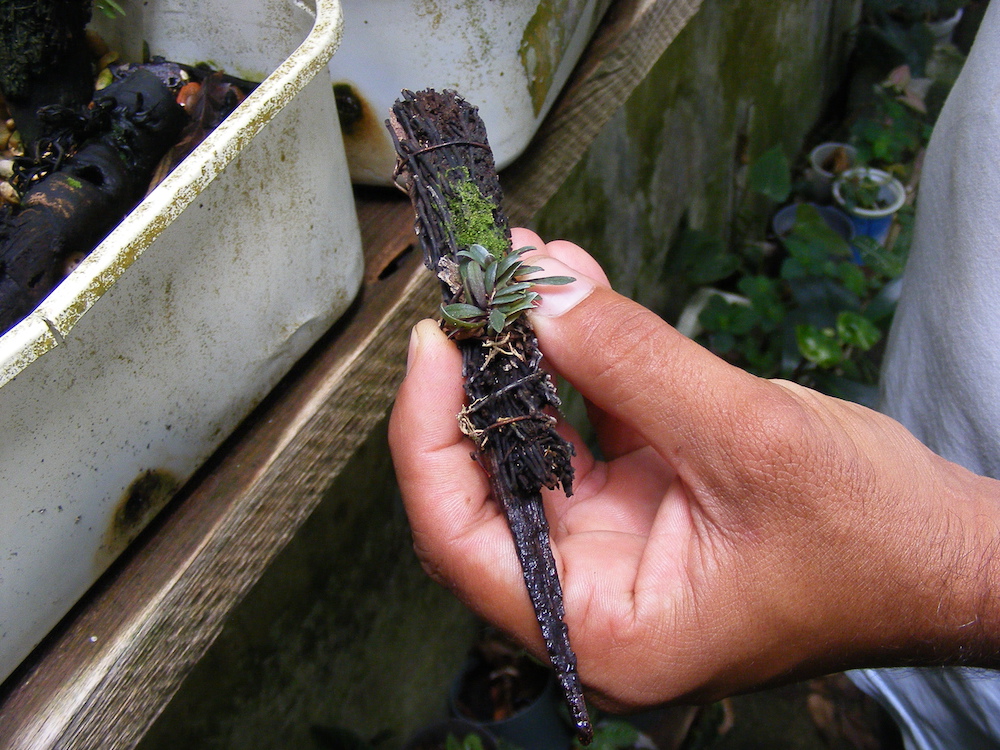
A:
x: 836, y: 219
x: 874, y: 223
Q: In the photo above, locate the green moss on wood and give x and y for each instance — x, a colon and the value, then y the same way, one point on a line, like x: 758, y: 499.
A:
x: 33, y: 37
x: 474, y: 220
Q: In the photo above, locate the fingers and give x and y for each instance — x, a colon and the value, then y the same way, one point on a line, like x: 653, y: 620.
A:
x: 567, y: 252
x: 649, y: 379
x: 460, y: 537
x: 615, y: 438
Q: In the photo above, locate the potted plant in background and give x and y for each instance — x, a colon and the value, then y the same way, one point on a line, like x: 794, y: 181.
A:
x: 812, y: 315
x: 826, y: 162
x: 514, y: 697
x: 871, y: 197
x: 910, y: 31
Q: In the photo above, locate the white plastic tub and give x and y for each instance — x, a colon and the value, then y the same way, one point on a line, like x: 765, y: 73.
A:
x: 510, y: 59
x: 144, y: 359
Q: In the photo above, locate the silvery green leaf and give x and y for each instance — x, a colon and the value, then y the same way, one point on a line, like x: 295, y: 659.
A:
x: 477, y: 253
x: 512, y: 293
x: 517, y: 286
x: 506, y: 298
x: 475, y: 283
x: 497, y: 320
x: 490, y: 277
x: 525, y: 270
x: 516, y: 307
x: 462, y: 311
x: 507, y: 269
x: 553, y: 280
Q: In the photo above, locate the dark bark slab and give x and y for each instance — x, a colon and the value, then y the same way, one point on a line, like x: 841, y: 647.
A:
x: 447, y: 167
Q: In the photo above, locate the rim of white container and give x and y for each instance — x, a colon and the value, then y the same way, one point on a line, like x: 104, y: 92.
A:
x: 47, y: 326
x: 891, y: 182
x: 818, y: 155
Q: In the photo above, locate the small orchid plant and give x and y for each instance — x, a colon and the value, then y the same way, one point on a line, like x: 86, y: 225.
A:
x: 493, y: 290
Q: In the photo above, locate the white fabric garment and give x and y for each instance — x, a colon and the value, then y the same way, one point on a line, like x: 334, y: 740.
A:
x: 942, y: 373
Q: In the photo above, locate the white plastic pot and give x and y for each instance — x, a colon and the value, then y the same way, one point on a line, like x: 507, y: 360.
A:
x: 943, y: 29
x: 133, y: 371
x: 508, y: 58
x: 872, y: 222
x: 822, y: 178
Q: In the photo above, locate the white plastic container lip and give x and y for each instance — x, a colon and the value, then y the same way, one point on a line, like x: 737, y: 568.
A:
x: 891, y: 190
x: 47, y: 326
x: 143, y: 360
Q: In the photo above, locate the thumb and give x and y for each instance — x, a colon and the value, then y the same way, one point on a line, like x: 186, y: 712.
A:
x: 631, y: 364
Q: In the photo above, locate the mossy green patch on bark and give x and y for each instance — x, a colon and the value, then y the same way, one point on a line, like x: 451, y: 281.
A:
x: 474, y: 220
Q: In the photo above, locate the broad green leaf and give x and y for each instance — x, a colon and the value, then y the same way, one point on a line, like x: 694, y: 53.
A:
x: 729, y: 317
x: 765, y: 297
x: 818, y: 345
x: 770, y: 175
x: 701, y: 258
x: 792, y: 268
x: 811, y: 237
x: 722, y: 342
x: 856, y: 330
x: 880, y: 260
x: 853, y: 277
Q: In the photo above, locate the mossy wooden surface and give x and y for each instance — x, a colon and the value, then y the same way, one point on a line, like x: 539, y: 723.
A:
x: 344, y: 630
x: 740, y: 78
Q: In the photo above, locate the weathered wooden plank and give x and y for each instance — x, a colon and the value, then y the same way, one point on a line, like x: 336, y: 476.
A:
x: 124, y: 651
x: 632, y: 38
x: 109, y: 669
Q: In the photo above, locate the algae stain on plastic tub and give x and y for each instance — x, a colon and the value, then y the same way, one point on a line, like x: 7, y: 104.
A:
x: 545, y: 42
x: 510, y: 58
x: 146, y: 496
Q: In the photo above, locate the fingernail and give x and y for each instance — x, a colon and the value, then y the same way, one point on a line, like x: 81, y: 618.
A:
x: 411, y: 350
x: 558, y: 300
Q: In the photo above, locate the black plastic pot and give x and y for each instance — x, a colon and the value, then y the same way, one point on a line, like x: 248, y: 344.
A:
x: 537, y: 725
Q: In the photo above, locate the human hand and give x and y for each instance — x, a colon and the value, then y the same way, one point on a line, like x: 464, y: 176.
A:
x: 738, y: 531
